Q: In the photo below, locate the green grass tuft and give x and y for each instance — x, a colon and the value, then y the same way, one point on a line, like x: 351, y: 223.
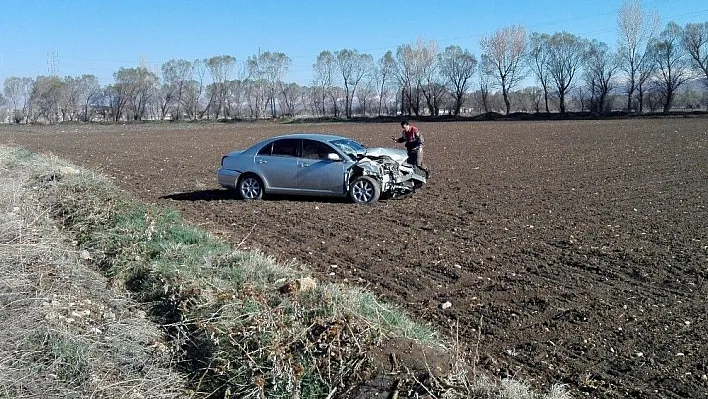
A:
x: 71, y: 357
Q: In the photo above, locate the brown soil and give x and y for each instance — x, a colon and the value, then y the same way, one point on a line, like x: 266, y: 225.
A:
x: 580, y: 248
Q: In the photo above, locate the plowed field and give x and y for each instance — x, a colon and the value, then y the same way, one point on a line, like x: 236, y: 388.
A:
x: 579, y: 248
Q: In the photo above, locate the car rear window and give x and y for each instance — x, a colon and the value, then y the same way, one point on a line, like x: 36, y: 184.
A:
x: 266, y: 150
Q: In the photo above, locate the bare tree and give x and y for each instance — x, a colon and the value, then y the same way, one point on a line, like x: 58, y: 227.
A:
x: 214, y: 105
x: 234, y: 98
x: 367, y: 91
x: 88, y: 90
x: 77, y: 95
x: 671, y: 62
x: 315, y: 100
x: 654, y: 98
x: 4, y: 114
x: 176, y: 74
x: 457, y: 67
x: 202, y: 102
x: 115, y: 98
x: 407, y: 74
x: 431, y: 85
x: 17, y: 92
x: 365, y: 94
x: 533, y: 95
x: 566, y: 52
x: 290, y: 94
x: 644, y: 74
x: 324, y: 70
x: 193, y: 91
x: 164, y: 98
x: 414, y: 68
x: 695, y: 41
x: 269, y: 68
x: 353, y: 66
x: 485, y: 75
x: 69, y: 103
x: 190, y: 98
x: 636, y: 29
x: 505, y: 49
x: 385, y: 70
x: 600, y: 68
x: 257, y: 86
x: 256, y: 91
x: 137, y: 86
x: 336, y: 97
x: 537, y: 57
x: 46, y: 95
x: 147, y: 83
x: 578, y: 97
x: 221, y: 69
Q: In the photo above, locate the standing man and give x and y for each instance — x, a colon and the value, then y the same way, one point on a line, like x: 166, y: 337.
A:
x: 414, y: 144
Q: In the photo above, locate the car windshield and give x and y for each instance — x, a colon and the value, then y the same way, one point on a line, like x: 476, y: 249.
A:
x: 349, y: 147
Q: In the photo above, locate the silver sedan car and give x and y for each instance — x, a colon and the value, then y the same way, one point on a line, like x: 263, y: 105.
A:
x: 318, y: 165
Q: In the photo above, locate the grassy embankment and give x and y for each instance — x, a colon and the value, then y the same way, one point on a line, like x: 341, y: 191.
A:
x: 104, y: 296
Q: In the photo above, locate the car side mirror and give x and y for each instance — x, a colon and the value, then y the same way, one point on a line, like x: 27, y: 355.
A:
x: 332, y: 156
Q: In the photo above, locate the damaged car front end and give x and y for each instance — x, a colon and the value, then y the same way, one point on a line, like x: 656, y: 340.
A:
x: 389, y: 167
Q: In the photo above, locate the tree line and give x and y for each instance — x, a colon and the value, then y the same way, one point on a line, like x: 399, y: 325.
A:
x: 649, y: 66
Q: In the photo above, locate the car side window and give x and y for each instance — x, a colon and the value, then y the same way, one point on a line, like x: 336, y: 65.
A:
x: 285, y: 148
x: 312, y: 149
x: 266, y: 150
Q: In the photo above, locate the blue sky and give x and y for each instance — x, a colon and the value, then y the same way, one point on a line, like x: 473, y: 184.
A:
x: 99, y: 37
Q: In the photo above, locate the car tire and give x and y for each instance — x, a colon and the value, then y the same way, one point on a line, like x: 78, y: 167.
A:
x: 250, y: 187
x: 364, y: 190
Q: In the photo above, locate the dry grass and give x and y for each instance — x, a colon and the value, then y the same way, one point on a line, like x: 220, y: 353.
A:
x: 64, y: 334
x: 235, y: 323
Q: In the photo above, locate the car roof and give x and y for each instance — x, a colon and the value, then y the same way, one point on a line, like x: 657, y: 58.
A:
x: 310, y: 136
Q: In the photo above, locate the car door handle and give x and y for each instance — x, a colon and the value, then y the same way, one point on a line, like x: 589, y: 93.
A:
x: 262, y: 161
x: 304, y: 165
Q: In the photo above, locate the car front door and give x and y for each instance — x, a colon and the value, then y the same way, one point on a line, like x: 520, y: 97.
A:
x: 278, y: 164
x: 316, y: 173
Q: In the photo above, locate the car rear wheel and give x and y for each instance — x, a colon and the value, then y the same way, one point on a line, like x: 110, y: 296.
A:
x: 364, y: 190
x: 250, y: 187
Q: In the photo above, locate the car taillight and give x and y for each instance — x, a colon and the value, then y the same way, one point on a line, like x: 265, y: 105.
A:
x: 222, y: 160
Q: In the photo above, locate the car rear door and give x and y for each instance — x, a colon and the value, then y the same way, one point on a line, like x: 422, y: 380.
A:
x: 317, y: 174
x: 277, y: 162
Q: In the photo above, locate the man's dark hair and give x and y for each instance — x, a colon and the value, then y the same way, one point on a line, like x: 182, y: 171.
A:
x: 404, y: 123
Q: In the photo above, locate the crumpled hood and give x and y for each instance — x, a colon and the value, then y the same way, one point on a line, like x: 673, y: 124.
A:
x: 397, y: 155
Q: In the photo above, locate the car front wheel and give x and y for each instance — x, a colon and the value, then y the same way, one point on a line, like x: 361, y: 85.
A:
x: 250, y: 187
x: 364, y: 190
